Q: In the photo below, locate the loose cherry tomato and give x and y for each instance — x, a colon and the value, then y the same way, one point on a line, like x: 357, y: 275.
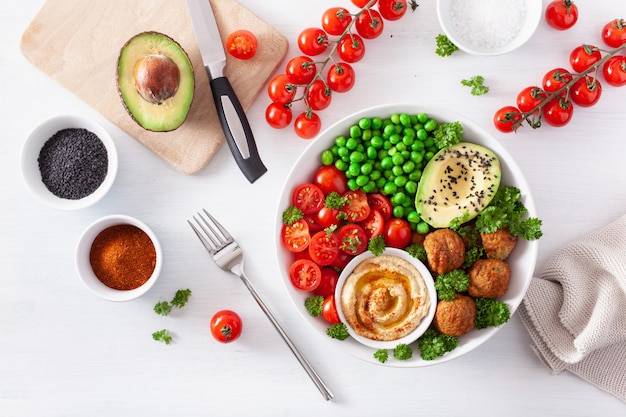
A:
x: 374, y: 224
x: 357, y: 209
x: 281, y: 90
x: 586, y: 91
x: 614, y: 33
x: 558, y: 112
x: 614, y: 70
x: 529, y: 98
x: 307, y: 125
x: 312, y: 41
x: 311, y: 220
x: 381, y: 203
x: 397, y: 233
x: 584, y: 56
x: 342, y: 260
x: 561, y: 14
x: 318, y: 95
x: 352, y: 239
x: 301, y: 70
x: 305, y: 275
x: 308, y: 197
x: 340, y: 77
x: 242, y: 44
x: 336, y: 20
x: 324, y: 247
x: 278, y: 115
x: 329, y: 178
x: 369, y: 24
x: 327, y: 286
x: 351, y: 48
x: 392, y: 9
x: 329, y: 310
x: 295, y: 237
x: 226, y: 326
x: 328, y: 217
x: 556, y: 79
x: 505, y: 119
x: 362, y: 3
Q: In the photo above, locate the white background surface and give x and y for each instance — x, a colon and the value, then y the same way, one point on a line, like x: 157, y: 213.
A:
x: 64, y: 352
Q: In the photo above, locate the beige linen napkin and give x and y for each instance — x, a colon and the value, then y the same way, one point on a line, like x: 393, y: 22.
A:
x: 575, y: 311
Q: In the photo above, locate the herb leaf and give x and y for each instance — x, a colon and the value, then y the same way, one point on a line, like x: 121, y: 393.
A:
x: 448, y: 134
x: 477, y: 84
x: 445, y: 47
x: 291, y: 215
x: 180, y: 298
x: 162, y: 336
x: 314, y: 305
x: 162, y: 308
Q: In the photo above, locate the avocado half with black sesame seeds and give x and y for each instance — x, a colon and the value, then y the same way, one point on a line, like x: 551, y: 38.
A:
x: 458, y: 182
x: 155, y: 81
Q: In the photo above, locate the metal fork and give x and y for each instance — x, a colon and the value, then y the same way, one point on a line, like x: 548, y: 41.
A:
x: 229, y: 256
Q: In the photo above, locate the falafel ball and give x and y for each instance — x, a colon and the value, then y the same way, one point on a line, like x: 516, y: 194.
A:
x: 456, y: 317
x: 445, y: 250
x: 488, y: 278
x: 499, y: 244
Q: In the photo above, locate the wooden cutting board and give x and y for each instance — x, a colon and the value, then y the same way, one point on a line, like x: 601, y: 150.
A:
x: 77, y: 43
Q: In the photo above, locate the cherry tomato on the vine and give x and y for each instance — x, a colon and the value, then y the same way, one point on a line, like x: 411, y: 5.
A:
x: 397, y: 233
x: 336, y: 20
x: 329, y: 310
x: 351, y: 48
x: 584, y: 56
x: 614, y: 33
x: 226, y: 326
x: 318, y: 95
x: 363, y: 3
x: 281, y: 90
x: 370, y: 24
x: 392, y: 9
x: 329, y: 178
x: 307, y: 125
x: 561, y: 14
x: 529, y: 98
x: 305, y: 275
x: 313, y: 41
x: 614, y: 70
x: 558, y: 112
x: 556, y: 79
x: 242, y: 44
x: 505, y: 119
x: 301, y: 70
x: 341, y: 77
x: 278, y: 115
x: 586, y: 91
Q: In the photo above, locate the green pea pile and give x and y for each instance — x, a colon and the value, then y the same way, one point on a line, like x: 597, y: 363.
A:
x: 387, y: 156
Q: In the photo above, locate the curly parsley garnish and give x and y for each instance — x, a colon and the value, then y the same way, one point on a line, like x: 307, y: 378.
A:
x: 491, y: 313
x: 402, y: 352
x: 450, y: 283
x: 433, y: 344
x: 445, y: 47
x: 162, y: 336
x: 291, y: 215
x: 448, y: 134
x: 478, y: 85
x: 314, y: 305
x: 381, y: 355
x: 338, y: 331
x: 377, y: 245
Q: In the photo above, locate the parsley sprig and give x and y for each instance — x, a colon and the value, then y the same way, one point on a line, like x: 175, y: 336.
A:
x: 477, y: 83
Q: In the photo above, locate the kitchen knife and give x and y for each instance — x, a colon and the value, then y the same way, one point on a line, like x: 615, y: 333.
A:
x: 231, y: 114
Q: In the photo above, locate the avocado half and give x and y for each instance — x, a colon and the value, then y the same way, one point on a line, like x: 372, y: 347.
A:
x: 155, y: 81
x: 458, y: 182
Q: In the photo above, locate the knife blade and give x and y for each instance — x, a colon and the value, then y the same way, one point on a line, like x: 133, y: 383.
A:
x: 231, y: 114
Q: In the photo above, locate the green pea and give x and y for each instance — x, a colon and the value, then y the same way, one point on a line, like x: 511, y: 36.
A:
x: 365, y: 123
x: 367, y: 134
x: 422, y: 117
x: 343, y: 152
x: 417, y: 157
x: 407, y: 140
x: 397, y: 170
x: 355, y: 131
x: 327, y: 157
x: 405, y: 120
x: 429, y: 155
x: 386, y: 163
x: 400, y: 181
x: 429, y: 143
x: 395, y: 118
x: 417, y: 145
x: 398, y: 198
x: 357, y: 157
x: 376, y: 142
x: 370, y: 187
x: 398, y: 211
x: 351, y: 143
x: 367, y: 168
x: 430, y: 125
x: 397, y: 159
x: 411, y: 187
x: 382, y: 153
x: 394, y: 138
x: 380, y: 183
x: 389, y: 130
x: 408, y: 167
x: 352, y: 185
x: 400, y: 147
x: 375, y: 175
x: 340, y: 141
x: 422, y: 228
x: 388, y: 174
x: 341, y: 165
x: 361, y: 180
x: 371, y: 152
x: 415, y: 175
x: 377, y: 123
x: 409, y: 131
x: 390, y: 188
x: 413, y: 217
x: 422, y: 134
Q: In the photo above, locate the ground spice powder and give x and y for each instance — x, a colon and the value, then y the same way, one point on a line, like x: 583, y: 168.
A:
x: 123, y: 257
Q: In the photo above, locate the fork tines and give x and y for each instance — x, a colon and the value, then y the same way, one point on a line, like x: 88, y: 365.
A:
x: 215, y: 236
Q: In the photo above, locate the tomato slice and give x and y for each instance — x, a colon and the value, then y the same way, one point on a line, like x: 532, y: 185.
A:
x: 374, y: 224
x: 305, y: 275
x: 242, y: 44
x: 329, y: 310
x: 324, y: 247
x: 295, y: 237
x: 381, y: 203
x: 330, y: 276
x: 308, y: 197
x: 357, y: 209
x: 352, y: 239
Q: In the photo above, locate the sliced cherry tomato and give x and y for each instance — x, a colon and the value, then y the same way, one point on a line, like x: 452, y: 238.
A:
x: 305, y: 275
x: 311, y: 220
x: 351, y: 48
x: 505, y: 119
x: 584, y: 56
x: 281, y: 90
x: 329, y: 178
x: 278, y: 115
x: 381, y: 203
x: 374, y: 224
x: 341, y: 77
x: 242, y: 44
x: 392, y: 9
x: 324, y: 247
x: 342, y: 260
x: 556, y: 79
x: 397, y: 233
x: 328, y: 217
x: 329, y: 310
x: 362, y: 3
x: 308, y: 197
x: 561, y: 14
x: 614, y: 70
x: 357, y: 209
x: 301, y: 70
x: 369, y: 24
x: 614, y: 33
x: 318, y: 95
x: 352, y: 239
x: 296, y: 237
x: 529, y: 98
x: 226, y: 326
x: 586, y: 91
x: 327, y: 286
x: 307, y: 125
x: 312, y: 41
x: 336, y: 20
x: 558, y: 112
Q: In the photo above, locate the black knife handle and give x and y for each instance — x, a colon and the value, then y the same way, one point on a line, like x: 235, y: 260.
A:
x: 237, y: 129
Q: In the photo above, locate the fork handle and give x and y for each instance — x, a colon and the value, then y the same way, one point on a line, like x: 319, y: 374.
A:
x: 328, y: 395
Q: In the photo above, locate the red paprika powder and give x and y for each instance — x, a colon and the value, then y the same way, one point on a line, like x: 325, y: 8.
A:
x: 123, y: 257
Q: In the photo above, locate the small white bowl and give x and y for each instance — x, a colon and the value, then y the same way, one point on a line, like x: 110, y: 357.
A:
x: 32, y: 173
x: 83, y: 264
x: 424, y: 324
x: 483, y: 42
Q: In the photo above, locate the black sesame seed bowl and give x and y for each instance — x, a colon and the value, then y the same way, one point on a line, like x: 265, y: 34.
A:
x: 69, y: 162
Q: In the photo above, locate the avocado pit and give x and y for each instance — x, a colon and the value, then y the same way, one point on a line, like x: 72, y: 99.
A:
x: 157, y: 78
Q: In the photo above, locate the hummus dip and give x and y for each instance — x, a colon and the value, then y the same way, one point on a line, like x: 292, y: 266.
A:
x: 385, y: 298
